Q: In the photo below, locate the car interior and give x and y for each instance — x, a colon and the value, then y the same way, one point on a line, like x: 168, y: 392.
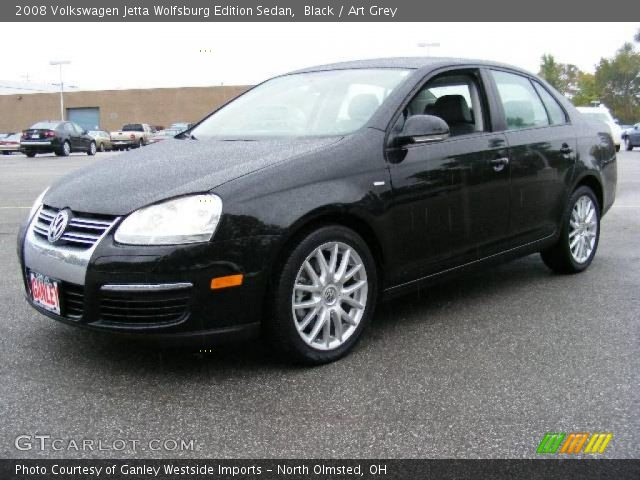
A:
x: 455, y: 98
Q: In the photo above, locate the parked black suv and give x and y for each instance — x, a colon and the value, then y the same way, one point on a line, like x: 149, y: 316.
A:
x: 291, y: 210
x: 57, y: 137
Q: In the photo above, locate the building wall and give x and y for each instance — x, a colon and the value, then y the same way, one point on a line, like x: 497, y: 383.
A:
x: 157, y: 106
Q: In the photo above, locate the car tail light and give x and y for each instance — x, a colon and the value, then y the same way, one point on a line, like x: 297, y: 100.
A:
x: 49, y: 133
x: 132, y: 136
x: 24, y: 135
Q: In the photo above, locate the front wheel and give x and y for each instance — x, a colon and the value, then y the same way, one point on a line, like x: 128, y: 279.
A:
x: 30, y: 154
x: 92, y: 149
x: 324, y: 296
x: 579, y: 236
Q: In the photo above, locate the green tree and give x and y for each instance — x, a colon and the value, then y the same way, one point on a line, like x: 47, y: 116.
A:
x: 618, y: 82
x: 587, y: 90
x: 562, y: 76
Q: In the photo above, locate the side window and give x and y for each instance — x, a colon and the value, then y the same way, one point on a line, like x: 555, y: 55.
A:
x: 69, y: 128
x: 456, y: 98
x: 78, y: 128
x: 522, y: 105
x: 555, y: 111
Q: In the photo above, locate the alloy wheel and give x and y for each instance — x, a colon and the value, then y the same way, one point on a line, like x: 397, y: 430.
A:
x: 329, y: 296
x: 583, y: 229
x: 66, y: 148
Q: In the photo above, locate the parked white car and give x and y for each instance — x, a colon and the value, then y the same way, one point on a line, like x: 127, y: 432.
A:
x: 602, y: 114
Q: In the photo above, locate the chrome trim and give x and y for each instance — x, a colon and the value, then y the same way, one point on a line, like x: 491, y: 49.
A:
x: 61, y: 262
x: 146, y: 287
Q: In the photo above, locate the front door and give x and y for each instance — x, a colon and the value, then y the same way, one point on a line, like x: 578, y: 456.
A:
x: 453, y: 194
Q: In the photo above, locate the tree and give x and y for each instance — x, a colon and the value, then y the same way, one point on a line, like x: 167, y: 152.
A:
x: 562, y: 76
x: 587, y: 91
x: 618, y: 81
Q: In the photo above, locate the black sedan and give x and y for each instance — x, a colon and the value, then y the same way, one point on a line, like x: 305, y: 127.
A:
x: 59, y: 137
x: 292, y: 210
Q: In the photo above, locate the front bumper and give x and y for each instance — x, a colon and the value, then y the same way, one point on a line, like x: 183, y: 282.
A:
x: 161, y: 292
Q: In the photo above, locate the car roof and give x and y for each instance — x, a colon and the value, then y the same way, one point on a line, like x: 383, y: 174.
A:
x: 414, y: 63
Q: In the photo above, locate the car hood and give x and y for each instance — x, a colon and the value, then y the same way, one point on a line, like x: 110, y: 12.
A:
x: 121, y: 184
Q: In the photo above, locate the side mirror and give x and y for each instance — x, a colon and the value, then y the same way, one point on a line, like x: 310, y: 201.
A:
x: 85, y: 132
x: 423, y: 129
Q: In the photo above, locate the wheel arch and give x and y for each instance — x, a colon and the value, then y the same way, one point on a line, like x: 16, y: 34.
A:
x: 320, y: 218
x: 593, y: 182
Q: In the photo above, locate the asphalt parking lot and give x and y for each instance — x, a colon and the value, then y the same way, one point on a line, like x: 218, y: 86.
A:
x: 482, y: 366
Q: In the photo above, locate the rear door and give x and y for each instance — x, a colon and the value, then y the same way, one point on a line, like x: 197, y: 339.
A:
x: 542, y: 146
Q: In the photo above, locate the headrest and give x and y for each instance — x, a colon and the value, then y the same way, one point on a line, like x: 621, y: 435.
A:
x: 453, y: 109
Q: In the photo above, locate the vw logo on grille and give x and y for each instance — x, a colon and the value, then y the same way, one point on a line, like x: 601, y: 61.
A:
x: 58, y: 226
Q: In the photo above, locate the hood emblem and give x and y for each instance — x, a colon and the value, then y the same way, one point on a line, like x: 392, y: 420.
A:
x: 58, y: 226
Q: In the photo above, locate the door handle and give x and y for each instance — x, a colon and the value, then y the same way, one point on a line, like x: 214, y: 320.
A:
x: 499, y: 163
x: 565, y: 149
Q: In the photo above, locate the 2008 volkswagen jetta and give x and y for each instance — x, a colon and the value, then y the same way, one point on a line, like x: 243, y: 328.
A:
x: 292, y: 209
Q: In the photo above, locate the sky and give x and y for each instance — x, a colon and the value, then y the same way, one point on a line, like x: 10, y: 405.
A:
x: 150, y: 55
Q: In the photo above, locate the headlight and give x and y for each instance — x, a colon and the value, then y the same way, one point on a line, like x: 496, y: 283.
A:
x: 36, y: 205
x: 182, y: 220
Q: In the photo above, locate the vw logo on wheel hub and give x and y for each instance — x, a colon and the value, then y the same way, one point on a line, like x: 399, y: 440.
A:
x: 58, y: 226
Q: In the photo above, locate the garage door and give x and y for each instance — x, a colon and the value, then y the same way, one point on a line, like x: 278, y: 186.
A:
x: 88, y: 118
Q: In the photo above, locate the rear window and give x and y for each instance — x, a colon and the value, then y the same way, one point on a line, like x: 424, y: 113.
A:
x: 45, y: 125
x: 133, y: 127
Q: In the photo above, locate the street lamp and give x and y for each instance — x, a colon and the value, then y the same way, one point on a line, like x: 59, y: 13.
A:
x: 428, y: 46
x: 60, y: 63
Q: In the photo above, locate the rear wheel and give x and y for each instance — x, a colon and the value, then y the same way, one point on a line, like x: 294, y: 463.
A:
x: 141, y: 143
x: 65, y: 151
x: 324, y: 296
x: 30, y: 154
x: 627, y: 144
x: 579, y: 236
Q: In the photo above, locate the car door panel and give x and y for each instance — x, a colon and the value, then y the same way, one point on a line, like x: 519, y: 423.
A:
x: 542, y: 161
x: 453, y: 201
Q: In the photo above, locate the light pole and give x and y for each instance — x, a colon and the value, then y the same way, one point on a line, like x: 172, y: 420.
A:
x: 428, y: 46
x: 60, y: 63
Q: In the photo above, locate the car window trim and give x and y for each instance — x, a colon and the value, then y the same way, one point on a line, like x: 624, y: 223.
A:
x: 500, y: 108
x: 564, y: 112
x: 484, y: 94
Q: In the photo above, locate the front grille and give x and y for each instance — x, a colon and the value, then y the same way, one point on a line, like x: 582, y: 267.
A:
x: 72, y: 297
x: 83, y: 231
x: 145, y: 307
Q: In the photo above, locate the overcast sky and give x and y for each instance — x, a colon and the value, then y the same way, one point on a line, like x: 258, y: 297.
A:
x: 142, y: 55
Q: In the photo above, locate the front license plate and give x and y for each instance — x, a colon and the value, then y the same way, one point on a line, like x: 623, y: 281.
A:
x: 45, y: 292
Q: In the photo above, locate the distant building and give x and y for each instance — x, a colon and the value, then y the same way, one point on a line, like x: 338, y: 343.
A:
x: 110, y: 109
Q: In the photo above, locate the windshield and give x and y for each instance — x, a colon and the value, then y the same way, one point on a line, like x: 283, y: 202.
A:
x: 334, y: 102
x: 133, y: 127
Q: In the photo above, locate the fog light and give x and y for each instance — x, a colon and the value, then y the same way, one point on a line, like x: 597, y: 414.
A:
x: 225, y: 282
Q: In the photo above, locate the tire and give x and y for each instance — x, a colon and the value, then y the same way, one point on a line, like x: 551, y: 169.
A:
x: 560, y: 258
x: 287, y: 323
x: 141, y: 143
x: 627, y: 144
x: 30, y: 154
x: 617, y: 148
x: 102, y: 148
x: 92, y: 149
x: 65, y: 151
